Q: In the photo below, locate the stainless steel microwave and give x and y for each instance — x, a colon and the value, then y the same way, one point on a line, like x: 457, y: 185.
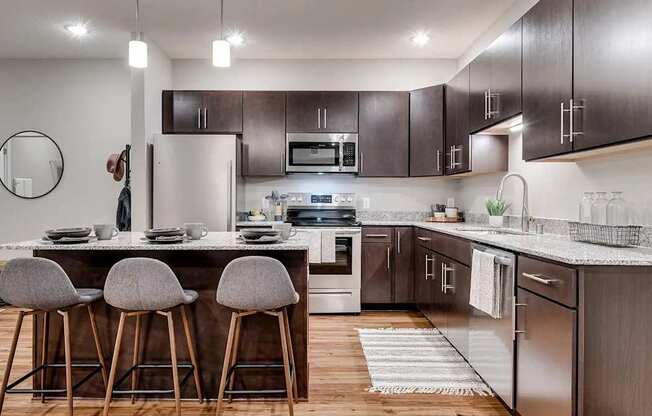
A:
x: 321, y: 153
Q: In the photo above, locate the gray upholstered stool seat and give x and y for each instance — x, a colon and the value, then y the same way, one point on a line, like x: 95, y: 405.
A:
x: 139, y: 287
x: 252, y: 285
x: 89, y: 295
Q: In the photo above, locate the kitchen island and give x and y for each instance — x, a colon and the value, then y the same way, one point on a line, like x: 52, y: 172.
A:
x: 198, y: 266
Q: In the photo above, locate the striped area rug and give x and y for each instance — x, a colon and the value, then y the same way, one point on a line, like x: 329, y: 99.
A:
x: 417, y: 360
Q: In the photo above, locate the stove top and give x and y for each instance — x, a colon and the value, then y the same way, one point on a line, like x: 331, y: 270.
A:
x: 322, y: 210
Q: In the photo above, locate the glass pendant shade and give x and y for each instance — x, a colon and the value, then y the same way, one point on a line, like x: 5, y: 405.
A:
x: 137, y: 54
x: 221, y: 53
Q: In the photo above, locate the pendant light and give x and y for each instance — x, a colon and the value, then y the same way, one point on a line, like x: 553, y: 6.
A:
x: 221, y: 47
x: 137, y: 46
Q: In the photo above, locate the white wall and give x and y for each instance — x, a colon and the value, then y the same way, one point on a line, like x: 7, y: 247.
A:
x: 556, y: 188
x: 84, y: 106
x: 313, y: 74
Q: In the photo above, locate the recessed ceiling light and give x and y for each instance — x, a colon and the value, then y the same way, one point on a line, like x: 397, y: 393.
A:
x: 235, y: 39
x: 420, y: 38
x: 78, y: 29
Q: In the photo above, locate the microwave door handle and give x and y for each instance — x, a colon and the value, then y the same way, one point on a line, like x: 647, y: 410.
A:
x: 341, y: 156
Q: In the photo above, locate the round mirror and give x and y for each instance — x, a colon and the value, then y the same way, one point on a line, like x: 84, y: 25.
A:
x: 31, y: 164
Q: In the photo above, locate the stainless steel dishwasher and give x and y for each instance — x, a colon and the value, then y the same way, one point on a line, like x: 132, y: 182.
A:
x: 491, y: 341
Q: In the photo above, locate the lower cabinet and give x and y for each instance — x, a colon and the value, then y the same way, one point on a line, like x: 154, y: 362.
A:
x: 545, y: 357
x: 455, y: 289
x: 376, y: 272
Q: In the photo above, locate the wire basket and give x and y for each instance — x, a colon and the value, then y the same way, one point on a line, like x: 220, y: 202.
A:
x: 608, y: 235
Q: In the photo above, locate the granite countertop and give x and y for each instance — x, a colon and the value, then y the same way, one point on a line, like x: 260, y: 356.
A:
x: 549, y: 246
x: 257, y: 223
x: 133, y: 241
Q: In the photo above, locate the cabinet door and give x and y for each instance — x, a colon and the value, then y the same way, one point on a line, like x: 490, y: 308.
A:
x: 222, y: 111
x: 479, y: 85
x: 423, y: 272
x: 376, y: 273
x: 612, y: 71
x: 438, y: 309
x: 456, y: 288
x: 547, y: 77
x: 339, y: 112
x: 546, y: 357
x: 264, y: 133
x: 427, y: 131
x: 182, y: 112
x: 505, y: 100
x: 457, y: 124
x: 403, y: 265
x: 384, y: 133
x: 304, y: 112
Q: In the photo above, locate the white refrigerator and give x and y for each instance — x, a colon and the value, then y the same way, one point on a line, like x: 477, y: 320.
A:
x: 197, y: 178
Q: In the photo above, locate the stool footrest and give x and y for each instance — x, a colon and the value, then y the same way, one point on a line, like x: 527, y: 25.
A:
x: 137, y: 367
x: 11, y: 388
x: 247, y: 366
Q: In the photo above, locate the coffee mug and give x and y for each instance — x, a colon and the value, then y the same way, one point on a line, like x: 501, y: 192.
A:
x: 285, y: 229
x: 105, y: 231
x: 195, y: 230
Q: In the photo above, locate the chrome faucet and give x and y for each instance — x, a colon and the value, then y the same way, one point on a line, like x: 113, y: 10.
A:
x: 525, y: 213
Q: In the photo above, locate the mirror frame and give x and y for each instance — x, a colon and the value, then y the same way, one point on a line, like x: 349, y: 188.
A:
x: 63, y: 164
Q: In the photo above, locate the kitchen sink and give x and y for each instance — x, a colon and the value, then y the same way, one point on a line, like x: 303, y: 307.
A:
x: 490, y: 230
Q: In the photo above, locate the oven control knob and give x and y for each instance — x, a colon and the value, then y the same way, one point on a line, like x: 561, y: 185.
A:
x: 349, y: 199
x: 336, y: 198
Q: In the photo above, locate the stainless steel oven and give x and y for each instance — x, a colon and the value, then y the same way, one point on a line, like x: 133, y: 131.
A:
x: 321, y: 153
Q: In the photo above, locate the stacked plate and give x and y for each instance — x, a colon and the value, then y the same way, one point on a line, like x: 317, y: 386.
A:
x: 260, y: 236
x: 77, y: 235
x: 171, y: 235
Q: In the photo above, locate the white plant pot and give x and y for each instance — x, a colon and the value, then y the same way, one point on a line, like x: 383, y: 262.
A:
x: 496, y: 220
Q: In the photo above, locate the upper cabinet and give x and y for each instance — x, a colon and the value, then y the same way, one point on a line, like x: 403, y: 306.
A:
x: 384, y: 133
x: 495, y: 81
x: 427, y: 131
x: 611, y: 71
x: 322, y: 112
x: 457, y: 124
x: 547, y: 78
x: 263, y: 134
x: 202, y: 112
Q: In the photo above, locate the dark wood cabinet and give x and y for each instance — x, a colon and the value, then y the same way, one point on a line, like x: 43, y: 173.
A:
x: 403, y: 265
x: 427, y: 131
x: 384, y: 134
x: 456, y: 287
x: 202, y: 112
x: 424, y: 272
x: 495, y: 81
x: 322, y: 112
x: 457, y: 153
x: 545, y: 357
x: 438, y: 309
x: 547, y: 77
x: 263, y: 133
x: 611, y: 71
x: 376, y: 272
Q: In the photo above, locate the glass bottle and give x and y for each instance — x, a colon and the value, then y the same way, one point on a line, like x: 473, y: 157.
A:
x: 617, y: 210
x: 599, y: 208
x: 585, y: 207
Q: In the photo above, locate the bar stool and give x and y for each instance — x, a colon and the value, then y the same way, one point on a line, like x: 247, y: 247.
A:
x: 39, y: 286
x: 142, y: 286
x: 252, y: 285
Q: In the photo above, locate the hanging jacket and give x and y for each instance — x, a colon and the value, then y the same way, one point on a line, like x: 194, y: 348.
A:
x: 123, y: 214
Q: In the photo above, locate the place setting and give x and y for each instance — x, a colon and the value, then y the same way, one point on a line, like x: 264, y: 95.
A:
x: 176, y: 235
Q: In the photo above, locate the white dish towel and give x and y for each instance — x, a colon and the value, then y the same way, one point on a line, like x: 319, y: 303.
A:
x: 486, y: 284
x: 328, y: 246
x: 314, y: 245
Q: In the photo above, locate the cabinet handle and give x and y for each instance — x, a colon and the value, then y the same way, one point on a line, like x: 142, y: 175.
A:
x: 539, y: 278
x: 515, y: 305
x: 561, y: 123
x: 375, y: 235
x: 444, y: 278
x: 388, y: 250
x: 319, y: 118
x: 428, y: 275
x: 572, y: 132
x: 325, y: 117
x: 398, y: 241
x: 438, y: 161
x: 199, y: 118
x: 486, y: 111
x: 205, y: 118
x: 423, y: 238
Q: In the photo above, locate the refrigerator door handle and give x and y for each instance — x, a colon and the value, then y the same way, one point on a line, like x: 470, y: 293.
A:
x: 229, y: 199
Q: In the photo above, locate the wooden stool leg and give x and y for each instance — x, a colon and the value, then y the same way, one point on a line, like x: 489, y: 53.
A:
x: 44, y: 352
x: 175, y: 369
x: 10, y: 359
x: 134, y: 358
x: 114, y: 364
x: 191, y: 352
x: 227, y: 360
x: 98, y: 344
x: 66, y: 343
x: 286, y: 362
x: 234, y: 354
x: 291, y: 353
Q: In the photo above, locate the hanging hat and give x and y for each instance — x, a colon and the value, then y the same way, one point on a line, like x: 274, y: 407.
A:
x: 116, y: 166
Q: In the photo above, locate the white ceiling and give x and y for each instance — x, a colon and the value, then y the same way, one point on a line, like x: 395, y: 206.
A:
x: 281, y: 29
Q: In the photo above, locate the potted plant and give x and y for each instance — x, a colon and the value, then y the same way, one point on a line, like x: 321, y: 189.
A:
x: 496, y: 208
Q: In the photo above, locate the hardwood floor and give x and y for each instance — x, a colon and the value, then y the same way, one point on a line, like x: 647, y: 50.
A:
x: 338, y: 380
